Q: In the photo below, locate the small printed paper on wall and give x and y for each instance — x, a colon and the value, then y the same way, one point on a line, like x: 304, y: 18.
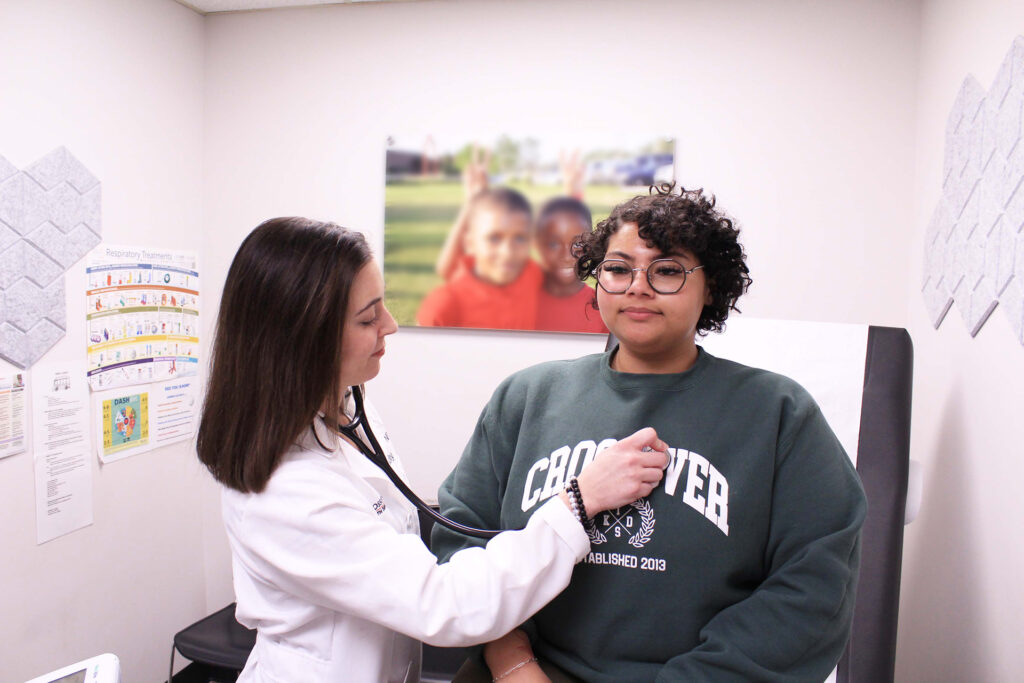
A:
x: 122, y: 421
x: 60, y: 443
x: 12, y: 414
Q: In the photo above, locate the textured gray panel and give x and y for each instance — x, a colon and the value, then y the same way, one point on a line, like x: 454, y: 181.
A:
x: 1018, y: 264
x: 24, y: 260
x: 12, y: 201
x: 1016, y: 56
x: 14, y: 345
x: 64, y: 206
x: 1008, y: 119
x: 974, y: 269
x: 50, y: 170
x: 25, y: 348
x: 89, y: 210
x: 1000, y: 256
x: 955, y: 269
x: 970, y: 215
x: 983, y: 302
x: 52, y: 242
x: 40, y: 339
x: 1014, y: 212
x: 7, y: 238
x: 991, y: 194
x: 80, y: 241
x: 78, y: 176
x: 937, y: 300
x: 1012, y: 304
x: 49, y: 219
x: 26, y: 303
x: 7, y: 169
x: 963, y: 136
x: 1001, y: 83
x: 12, y: 264
x: 23, y: 204
x: 974, y: 243
x: 57, y: 313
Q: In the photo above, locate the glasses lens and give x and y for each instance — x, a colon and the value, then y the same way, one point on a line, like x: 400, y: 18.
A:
x: 666, y: 276
x: 614, y: 276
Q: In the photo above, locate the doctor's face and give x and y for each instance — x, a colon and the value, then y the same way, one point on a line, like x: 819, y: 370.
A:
x: 367, y: 323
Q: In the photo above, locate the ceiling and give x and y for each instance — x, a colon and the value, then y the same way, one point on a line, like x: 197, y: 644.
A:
x: 213, y: 6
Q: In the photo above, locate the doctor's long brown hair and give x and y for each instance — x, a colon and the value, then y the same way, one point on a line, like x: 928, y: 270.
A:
x: 277, y: 352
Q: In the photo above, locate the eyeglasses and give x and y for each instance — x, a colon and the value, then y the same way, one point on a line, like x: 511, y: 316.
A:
x: 665, y: 276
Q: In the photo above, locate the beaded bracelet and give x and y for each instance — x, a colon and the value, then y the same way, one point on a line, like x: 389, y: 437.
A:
x: 574, y: 507
x: 514, y: 669
x: 575, y: 485
x: 572, y: 492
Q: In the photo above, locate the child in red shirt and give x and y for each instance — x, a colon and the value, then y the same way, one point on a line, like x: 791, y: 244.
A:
x: 492, y: 281
x: 565, y: 303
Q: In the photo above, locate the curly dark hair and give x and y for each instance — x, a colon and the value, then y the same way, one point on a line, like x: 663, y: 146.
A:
x: 670, y: 220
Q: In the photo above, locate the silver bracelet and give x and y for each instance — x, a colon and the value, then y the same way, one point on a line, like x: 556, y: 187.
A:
x: 514, y: 669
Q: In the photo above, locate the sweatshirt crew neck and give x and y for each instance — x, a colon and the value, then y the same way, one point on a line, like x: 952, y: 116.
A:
x: 672, y: 381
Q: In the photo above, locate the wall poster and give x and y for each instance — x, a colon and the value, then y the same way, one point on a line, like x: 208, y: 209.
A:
x: 60, y: 443
x: 123, y: 420
x: 143, y: 315
x: 12, y: 414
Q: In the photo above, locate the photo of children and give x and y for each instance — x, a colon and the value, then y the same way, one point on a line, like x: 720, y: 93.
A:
x: 482, y: 236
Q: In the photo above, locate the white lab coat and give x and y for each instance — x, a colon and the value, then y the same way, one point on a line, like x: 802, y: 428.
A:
x: 330, y: 569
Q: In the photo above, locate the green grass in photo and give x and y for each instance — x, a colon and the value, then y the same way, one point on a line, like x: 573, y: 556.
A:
x: 419, y: 213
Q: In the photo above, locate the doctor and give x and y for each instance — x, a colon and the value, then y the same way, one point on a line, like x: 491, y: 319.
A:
x: 327, y: 560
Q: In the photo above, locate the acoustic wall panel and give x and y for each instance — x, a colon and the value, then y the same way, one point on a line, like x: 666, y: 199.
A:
x: 974, y: 243
x: 49, y: 219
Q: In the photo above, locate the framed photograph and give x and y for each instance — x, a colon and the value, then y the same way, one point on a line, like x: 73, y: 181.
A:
x: 480, y: 234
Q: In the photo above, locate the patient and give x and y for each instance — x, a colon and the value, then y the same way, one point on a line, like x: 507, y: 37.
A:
x: 743, y: 565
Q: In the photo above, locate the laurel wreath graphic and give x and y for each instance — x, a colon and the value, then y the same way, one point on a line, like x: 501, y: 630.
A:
x: 637, y: 540
x: 643, y: 534
x: 595, y: 535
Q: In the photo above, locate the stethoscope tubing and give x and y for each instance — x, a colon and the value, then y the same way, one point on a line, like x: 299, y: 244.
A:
x: 375, y: 454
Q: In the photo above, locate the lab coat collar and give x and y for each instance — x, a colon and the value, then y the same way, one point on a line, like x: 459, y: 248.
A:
x: 333, y: 447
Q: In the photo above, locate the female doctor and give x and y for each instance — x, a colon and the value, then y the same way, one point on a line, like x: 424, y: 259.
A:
x: 328, y: 564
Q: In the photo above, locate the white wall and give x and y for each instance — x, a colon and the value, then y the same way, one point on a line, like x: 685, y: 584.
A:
x: 791, y: 114
x: 797, y: 114
x: 818, y: 125
x: 119, y: 83
x: 963, y: 559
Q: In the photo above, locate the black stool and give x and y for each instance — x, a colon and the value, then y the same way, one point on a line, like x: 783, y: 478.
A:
x: 217, y: 645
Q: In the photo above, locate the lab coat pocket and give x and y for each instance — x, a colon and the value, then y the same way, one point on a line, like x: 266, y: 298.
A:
x: 277, y: 662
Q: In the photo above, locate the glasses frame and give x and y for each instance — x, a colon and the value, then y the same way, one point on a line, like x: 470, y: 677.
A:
x: 646, y: 270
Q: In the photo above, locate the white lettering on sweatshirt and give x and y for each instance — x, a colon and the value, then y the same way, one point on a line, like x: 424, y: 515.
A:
x: 704, y: 488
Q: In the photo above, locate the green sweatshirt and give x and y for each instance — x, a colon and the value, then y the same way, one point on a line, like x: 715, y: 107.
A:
x: 741, y: 565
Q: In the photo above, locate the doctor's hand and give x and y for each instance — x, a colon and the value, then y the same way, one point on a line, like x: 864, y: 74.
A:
x: 623, y: 473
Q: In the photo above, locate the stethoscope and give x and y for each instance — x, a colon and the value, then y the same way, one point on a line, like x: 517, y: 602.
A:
x: 375, y: 453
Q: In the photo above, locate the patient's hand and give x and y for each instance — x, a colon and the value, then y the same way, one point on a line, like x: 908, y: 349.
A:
x: 513, y: 648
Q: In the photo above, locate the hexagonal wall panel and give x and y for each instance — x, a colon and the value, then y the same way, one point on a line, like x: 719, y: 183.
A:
x: 49, y: 219
x: 974, y: 243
